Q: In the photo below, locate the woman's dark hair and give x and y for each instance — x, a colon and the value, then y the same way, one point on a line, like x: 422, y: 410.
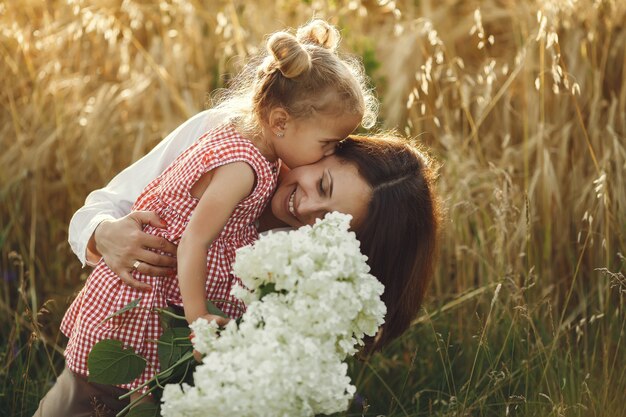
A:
x: 400, y: 233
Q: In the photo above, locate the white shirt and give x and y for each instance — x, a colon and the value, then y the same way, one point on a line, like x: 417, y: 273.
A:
x: 117, y: 197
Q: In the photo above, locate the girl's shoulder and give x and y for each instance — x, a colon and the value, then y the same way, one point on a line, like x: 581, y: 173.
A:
x: 225, y: 143
x: 227, y: 134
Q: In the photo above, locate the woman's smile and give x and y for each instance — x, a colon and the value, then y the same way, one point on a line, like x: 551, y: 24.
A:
x: 290, y: 203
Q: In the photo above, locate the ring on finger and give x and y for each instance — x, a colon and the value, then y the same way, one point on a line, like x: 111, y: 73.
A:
x: 135, y: 266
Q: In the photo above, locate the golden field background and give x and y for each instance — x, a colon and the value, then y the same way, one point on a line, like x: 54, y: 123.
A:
x: 523, y: 104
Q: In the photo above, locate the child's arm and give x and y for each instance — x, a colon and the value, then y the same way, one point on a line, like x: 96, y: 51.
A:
x: 228, y: 185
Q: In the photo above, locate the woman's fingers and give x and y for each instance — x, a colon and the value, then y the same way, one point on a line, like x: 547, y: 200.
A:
x: 161, y: 244
x: 150, y: 241
x: 128, y: 279
x: 147, y: 217
x: 148, y: 268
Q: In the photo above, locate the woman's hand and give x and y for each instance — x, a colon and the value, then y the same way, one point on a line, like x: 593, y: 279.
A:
x: 125, y: 247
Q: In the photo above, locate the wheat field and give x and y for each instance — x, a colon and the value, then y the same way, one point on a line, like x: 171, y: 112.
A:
x: 522, y: 103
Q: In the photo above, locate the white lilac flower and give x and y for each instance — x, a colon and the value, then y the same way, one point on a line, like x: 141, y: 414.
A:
x: 286, y: 356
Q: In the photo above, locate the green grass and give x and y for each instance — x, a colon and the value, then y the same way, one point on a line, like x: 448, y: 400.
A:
x: 509, y: 358
x: 509, y: 364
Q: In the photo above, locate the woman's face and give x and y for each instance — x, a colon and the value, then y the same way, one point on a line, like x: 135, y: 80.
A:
x: 309, y: 192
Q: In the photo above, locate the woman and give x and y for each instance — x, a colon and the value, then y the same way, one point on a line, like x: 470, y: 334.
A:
x: 383, y: 182
x: 396, y: 223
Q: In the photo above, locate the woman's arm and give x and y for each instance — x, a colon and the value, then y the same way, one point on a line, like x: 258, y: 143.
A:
x: 102, y: 227
x: 227, y: 186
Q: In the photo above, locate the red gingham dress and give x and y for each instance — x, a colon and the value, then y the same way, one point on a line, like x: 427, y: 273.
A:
x: 169, y: 196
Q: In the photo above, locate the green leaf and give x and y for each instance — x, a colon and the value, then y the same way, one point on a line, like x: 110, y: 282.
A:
x: 212, y: 308
x: 269, y: 288
x: 173, y: 344
x: 149, y: 409
x: 168, y: 319
x: 265, y: 289
x: 181, y: 371
x: 110, y: 363
x: 124, y: 309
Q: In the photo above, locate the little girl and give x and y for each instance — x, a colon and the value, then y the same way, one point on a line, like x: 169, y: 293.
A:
x: 295, y: 105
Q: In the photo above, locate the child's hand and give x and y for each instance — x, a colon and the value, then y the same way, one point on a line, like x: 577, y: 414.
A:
x: 221, y: 322
x: 196, y: 355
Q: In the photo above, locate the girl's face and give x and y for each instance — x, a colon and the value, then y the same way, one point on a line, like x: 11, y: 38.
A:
x: 307, y: 140
x: 309, y: 192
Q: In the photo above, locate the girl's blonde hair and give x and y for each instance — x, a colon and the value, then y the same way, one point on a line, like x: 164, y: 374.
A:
x: 303, y: 74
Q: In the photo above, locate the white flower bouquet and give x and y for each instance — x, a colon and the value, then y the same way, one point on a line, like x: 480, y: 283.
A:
x: 310, y: 302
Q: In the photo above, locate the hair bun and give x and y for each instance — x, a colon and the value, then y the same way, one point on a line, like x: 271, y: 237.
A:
x: 290, y: 57
x: 319, y: 32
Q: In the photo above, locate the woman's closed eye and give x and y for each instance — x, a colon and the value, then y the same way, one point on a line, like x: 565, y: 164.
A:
x: 320, y: 186
x: 325, y: 184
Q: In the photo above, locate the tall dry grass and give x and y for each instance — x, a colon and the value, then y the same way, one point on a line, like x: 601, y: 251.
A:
x: 523, y: 103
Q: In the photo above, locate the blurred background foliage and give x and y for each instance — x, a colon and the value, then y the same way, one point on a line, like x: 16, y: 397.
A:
x: 522, y: 103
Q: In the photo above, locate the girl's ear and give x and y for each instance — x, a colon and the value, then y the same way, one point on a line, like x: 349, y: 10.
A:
x: 277, y: 120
